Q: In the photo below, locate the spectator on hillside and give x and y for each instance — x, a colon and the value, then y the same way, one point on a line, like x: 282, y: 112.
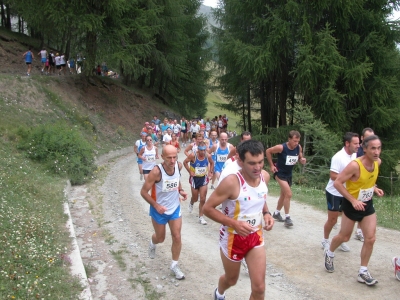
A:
x: 28, y: 55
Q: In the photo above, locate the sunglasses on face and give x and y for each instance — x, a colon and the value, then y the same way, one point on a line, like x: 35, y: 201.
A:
x: 149, y: 140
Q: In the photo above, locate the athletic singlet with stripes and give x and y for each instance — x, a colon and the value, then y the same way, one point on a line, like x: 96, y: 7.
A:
x: 249, y: 204
x: 199, y: 167
x: 363, y: 188
x: 167, y: 189
x: 150, y: 156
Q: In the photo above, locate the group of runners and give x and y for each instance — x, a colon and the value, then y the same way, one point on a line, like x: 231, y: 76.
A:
x: 239, y: 204
x: 52, y: 62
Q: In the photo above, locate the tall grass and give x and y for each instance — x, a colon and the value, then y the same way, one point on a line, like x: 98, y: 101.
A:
x: 33, y: 259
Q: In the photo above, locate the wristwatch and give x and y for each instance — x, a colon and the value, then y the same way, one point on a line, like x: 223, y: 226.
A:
x: 266, y: 212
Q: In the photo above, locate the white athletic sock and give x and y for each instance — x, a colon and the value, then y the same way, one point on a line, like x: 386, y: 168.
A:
x: 277, y: 212
x: 219, y: 295
x: 363, y: 269
x: 330, y: 253
x: 151, y: 244
x: 325, y: 240
x: 174, y: 263
x: 287, y: 216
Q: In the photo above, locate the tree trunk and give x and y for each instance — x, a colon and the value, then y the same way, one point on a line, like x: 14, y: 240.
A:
x: 248, y: 98
x: 3, y: 14
x: 244, y: 115
x: 264, y: 110
x: 91, y: 47
x: 283, y: 98
x: 8, y: 19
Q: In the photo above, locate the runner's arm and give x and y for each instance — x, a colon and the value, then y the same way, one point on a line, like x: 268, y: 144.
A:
x: 227, y: 189
x: 232, y: 152
x: 211, y: 165
x: 180, y: 189
x: 302, y: 159
x: 187, y: 149
x: 154, y: 176
x: 186, y: 164
x: 140, y: 155
x: 268, y: 219
x: 268, y: 153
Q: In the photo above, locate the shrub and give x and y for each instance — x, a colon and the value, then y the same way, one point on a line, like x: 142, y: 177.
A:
x: 62, y: 149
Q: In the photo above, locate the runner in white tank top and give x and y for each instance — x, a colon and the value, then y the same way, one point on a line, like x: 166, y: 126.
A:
x: 148, y: 155
x: 244, y: 209
x: 164, y: 182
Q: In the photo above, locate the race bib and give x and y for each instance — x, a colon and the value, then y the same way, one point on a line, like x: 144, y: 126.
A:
x: 222, y: 157
x: 291, y: 160
x: 150, y: 158
x: 200, y: 171
x: 183, y: 127
x: 170, y: 185
x: 254, y: 220
x: 365, y: 194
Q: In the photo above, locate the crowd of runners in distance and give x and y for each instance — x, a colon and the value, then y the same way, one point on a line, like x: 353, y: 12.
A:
x: 238, y: 200
x: 52, y: 62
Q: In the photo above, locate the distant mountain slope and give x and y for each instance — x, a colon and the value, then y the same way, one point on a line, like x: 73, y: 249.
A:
x: 207, y: 11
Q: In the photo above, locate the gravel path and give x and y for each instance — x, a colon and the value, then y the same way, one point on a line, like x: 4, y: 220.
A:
x: 113, y: 229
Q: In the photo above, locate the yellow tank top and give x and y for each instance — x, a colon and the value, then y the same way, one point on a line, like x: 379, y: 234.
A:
x: 363, y: 188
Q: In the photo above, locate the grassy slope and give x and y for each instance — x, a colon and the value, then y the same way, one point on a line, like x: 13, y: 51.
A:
x: 213, y: 110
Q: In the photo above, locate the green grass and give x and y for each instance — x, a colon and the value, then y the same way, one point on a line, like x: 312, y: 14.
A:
x: 33, y: 259
x: 213, y: 110
x: 387, y: 208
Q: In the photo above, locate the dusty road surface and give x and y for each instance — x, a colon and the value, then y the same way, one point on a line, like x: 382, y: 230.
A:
x: 113, y: 229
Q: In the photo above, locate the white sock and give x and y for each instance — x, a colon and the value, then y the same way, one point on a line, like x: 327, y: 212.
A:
x: 277, y: 212
x: 174, y: 263
x: 219, y: 295
x: 287, y: 216
x: 330, y: 253
x: 151, y: 244
x: 363, y: 269
x: 325, y: 240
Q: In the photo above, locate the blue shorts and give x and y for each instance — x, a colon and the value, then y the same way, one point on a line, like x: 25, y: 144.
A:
x: 334, y: 202
x: 164, y: 219
x: 198, y: 182
x: 44, y: 60
x: 218, y: 168
x: 139, y: 161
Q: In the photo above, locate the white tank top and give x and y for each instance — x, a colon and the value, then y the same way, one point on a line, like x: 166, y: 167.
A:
x: 248, y: 206
x: 167, y: 189
x: 150, y: 156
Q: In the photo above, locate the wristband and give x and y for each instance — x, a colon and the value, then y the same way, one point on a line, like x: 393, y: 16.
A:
x: 266, y: 212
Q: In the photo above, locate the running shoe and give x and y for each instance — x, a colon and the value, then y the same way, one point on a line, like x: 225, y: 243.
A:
x: 202, y: 221
x: 366, y: 278
x: 212, y: 187
x: 396, y: 262
x: 344, y: 247
x: 288, y: 222
x: 152, y: 251
x: 325, y: 244
x: 178, y: 273
x: 190, y: 207
x: 216, y: 297
x: 359, y: 236
x: 328, y: 262
x: 141, y: 177
x: 278, y: 217
x: 244, y: 265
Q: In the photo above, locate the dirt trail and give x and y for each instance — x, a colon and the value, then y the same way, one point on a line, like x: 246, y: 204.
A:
x: 111, y: 216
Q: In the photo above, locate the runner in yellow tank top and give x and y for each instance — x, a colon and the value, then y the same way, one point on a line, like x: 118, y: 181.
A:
x: 360, y: 177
